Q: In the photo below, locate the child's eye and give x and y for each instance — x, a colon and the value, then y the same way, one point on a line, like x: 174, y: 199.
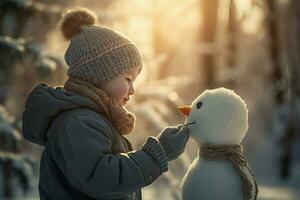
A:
x: 128, y: 79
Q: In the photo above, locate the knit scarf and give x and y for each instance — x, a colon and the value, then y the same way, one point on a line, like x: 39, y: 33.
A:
x: 122, y: 120
x: 233, y: 154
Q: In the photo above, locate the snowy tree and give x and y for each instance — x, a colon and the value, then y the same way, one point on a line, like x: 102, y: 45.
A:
x: 16, y: 169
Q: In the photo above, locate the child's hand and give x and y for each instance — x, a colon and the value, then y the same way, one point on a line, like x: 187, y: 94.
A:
x: 173, y: 139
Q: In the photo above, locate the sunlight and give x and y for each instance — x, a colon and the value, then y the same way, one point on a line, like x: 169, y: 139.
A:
x: 242, y: 7
x: 252, y: 23
x: 249, y: 16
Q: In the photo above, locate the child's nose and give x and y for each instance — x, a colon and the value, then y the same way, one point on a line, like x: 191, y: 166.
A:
x: 131, y: 90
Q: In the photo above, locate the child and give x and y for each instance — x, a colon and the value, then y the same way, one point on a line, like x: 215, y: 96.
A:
x: 82, y: 124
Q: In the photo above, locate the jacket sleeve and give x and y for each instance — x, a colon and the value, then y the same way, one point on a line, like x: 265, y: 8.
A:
x: 90, y: 166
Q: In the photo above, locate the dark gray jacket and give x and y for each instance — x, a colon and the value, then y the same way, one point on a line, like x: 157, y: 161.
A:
x: 84, y: 156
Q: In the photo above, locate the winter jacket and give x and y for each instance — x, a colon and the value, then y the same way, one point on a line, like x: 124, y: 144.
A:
x: 84, y: 156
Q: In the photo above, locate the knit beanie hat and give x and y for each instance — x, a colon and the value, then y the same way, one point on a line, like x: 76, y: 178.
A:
x: 96, y: 54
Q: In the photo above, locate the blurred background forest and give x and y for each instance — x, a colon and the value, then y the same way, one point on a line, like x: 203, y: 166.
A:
x: 250, y: 46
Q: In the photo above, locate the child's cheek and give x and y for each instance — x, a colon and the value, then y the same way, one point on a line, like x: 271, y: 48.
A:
x: 122, y: 92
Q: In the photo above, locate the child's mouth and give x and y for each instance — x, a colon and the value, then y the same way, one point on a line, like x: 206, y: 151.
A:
x: 125, y: 100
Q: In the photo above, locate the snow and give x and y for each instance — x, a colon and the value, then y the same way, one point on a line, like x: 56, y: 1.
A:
x: 222, y: 119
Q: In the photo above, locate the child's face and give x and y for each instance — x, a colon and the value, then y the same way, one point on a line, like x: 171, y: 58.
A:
x: 121, y: 87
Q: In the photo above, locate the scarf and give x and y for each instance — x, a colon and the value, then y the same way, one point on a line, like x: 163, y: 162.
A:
x: 233, y: 154
x: 122, y: 120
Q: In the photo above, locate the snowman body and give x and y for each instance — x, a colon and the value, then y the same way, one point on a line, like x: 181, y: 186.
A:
x: 210, y: 180
x: 220, y: 117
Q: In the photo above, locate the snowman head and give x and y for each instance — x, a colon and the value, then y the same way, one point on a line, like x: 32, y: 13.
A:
x: 218, y: 116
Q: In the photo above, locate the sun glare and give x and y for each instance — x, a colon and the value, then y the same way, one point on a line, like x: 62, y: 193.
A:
x: 242, y: 7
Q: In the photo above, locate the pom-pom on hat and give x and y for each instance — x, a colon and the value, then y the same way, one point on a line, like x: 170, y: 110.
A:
x: 96, y: 54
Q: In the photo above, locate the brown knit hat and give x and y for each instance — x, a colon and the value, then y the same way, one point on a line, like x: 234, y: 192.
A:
x: 96, y: 54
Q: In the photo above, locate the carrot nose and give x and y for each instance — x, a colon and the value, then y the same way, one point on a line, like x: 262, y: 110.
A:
x: 185, y: 110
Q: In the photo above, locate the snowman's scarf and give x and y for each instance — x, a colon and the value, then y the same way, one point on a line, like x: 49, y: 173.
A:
x: 233, y: 154
x: 118, y: 115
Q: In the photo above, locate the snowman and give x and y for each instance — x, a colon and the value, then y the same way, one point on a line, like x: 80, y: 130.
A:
x: 218, y: 121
